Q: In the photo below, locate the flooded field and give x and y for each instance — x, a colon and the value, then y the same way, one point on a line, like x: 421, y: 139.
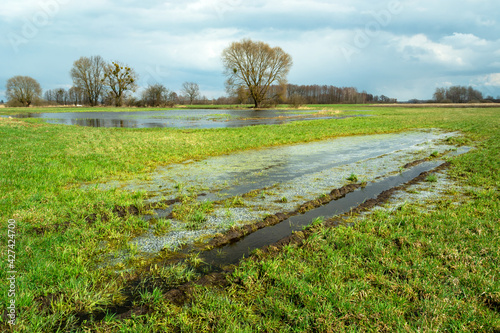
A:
x: 145, y: 230
x: 202, y: 199
x: 199, y: 118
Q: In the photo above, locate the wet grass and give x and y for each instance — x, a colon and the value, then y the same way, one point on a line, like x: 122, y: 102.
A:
x: 399, y: 271
x: 431, y: 178
x: 352, y: 178
x: 394, y: 271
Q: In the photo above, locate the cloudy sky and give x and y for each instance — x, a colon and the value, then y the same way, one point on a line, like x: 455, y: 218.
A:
x: 400, y: 48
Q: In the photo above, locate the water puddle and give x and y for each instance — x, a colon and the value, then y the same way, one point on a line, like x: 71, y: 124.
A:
x: 243, y: 188
x: 200, y: 118
x: 232, y: 253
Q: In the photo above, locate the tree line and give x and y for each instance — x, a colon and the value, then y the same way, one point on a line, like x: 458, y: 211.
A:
x: 457, y: 94
x: 328, y: 94
x: 97, y: 82
x: 256, y: 73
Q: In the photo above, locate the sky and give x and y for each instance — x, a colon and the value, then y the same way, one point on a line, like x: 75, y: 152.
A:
x: 402, y: 49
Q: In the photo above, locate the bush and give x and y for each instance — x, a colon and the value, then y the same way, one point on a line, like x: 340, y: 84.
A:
x: 296, y: 100
x: 14, y: 104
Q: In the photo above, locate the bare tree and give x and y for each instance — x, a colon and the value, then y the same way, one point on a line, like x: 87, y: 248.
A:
x: 157, y: 95
x: 241, y: 95
x: 191, y: 90
x: 439, y: 94
x: 88, y: 75
x: 255, y: 65
x: 23, y: 90
x: 457, y: 94
x: 61, y: 96
x: 296, y: 100
x: 119, y: 78
x: 75, y: 95
x: 49, y: 96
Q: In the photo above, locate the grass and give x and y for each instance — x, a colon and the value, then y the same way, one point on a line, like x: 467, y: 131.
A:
x: 192, y: 212
x: 352, y: 178
x: 235, y: 201
x: 391, y: 272
x: 432, y: 178
x: 399, y: 271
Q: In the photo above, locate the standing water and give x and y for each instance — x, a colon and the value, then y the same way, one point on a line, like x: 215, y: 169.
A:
x: 245, y: 187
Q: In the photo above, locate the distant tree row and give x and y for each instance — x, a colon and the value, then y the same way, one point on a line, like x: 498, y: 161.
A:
x: 328, y: 94
x: 457, y: 94
x: 256, y: 73
x: 97, y: 82
x: 60, y: 96
x: 311, y: 94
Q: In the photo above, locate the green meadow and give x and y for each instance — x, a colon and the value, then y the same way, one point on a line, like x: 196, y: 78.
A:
x: 400, y: 271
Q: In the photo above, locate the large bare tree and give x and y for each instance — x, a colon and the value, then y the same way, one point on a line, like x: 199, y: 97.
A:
x: 88, y: 75
x: 191, y: 90
x: 23, y: 90
x: 119, y: 79
x: 255, y: 65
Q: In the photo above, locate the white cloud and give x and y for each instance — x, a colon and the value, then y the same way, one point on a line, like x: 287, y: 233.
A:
x: 460, y: 40
x: 15, y: 9
x: 491, y: 80
x: 458, y: 51
x: 421, y: 48
x: 486, y: 22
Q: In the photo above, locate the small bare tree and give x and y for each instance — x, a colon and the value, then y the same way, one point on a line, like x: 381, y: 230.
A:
x: 119, y: 78
x: 255, y: 65
x: 191, y: 90
x: 23, y: 90
x: 75, y: 96
x: 88, y: 75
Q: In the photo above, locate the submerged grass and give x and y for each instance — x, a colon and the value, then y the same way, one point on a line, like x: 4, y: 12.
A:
x: 399, y: 271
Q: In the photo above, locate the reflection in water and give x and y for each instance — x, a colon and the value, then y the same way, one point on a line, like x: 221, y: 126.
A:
x: 177, y: 118
x: 96, y: 122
